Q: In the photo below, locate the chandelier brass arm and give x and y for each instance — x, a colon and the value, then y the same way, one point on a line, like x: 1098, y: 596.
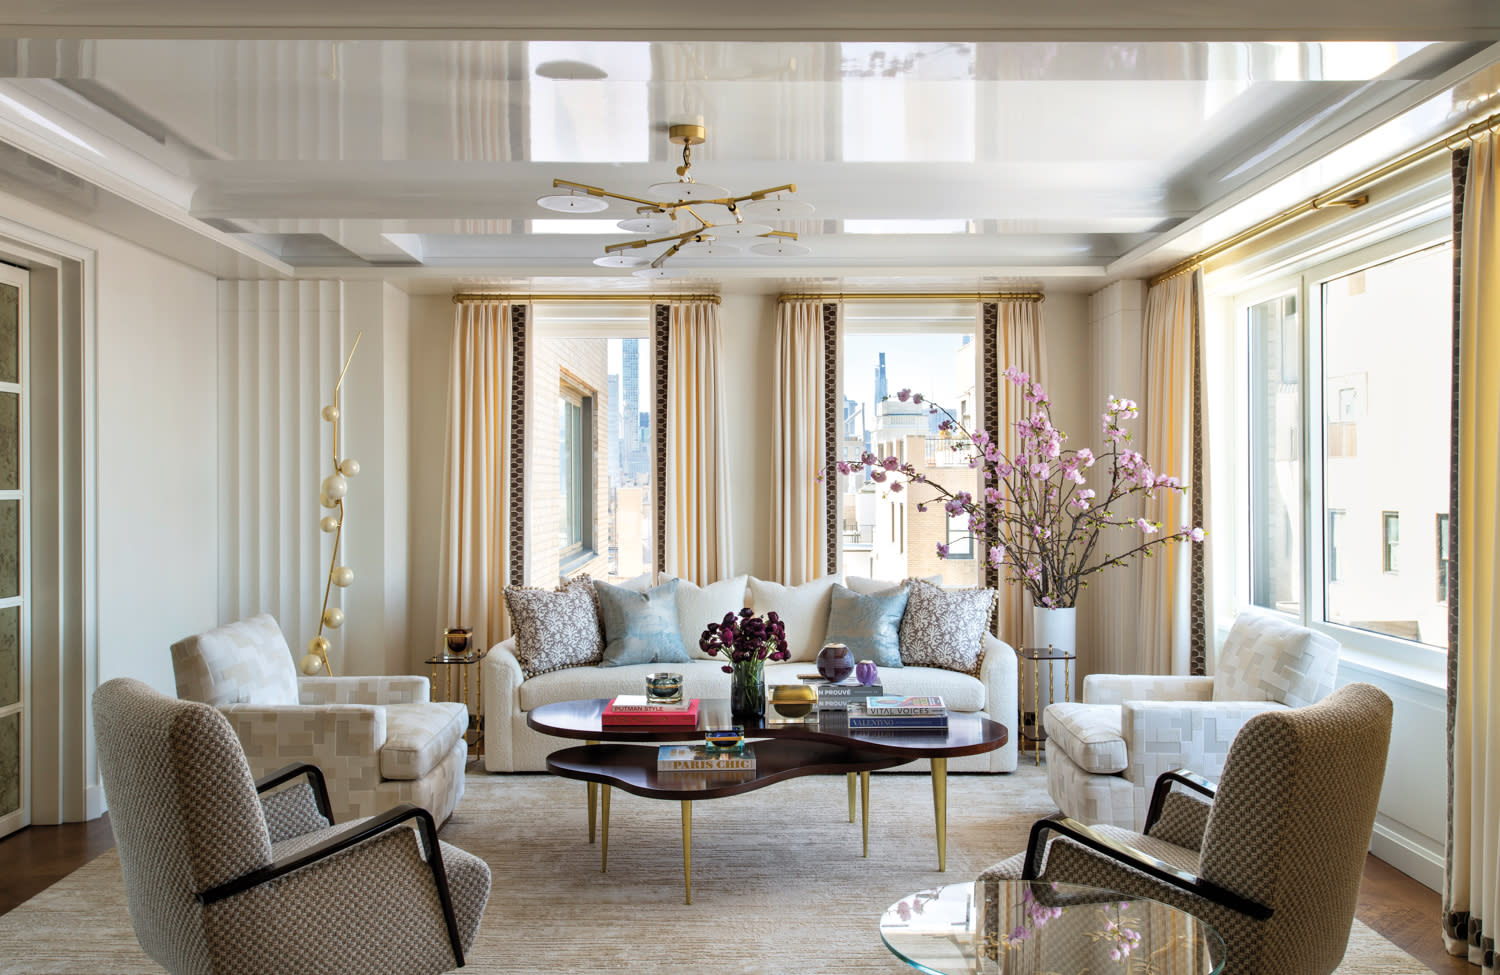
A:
x: 662, y: 206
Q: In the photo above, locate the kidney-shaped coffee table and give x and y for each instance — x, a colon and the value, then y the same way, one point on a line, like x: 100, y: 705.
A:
x: 820, y: 744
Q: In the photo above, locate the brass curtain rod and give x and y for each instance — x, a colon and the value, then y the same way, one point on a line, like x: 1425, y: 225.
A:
x: 1331, y: 198
x: 918, y: 296
x: 597, y: 299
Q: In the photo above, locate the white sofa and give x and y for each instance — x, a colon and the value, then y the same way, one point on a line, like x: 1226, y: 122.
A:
x: 511, y: 746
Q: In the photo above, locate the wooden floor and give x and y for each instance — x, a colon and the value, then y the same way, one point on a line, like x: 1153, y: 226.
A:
x: 1389, y: 901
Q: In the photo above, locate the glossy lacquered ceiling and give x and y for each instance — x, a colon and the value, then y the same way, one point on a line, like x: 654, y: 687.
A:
x: 991, y: 162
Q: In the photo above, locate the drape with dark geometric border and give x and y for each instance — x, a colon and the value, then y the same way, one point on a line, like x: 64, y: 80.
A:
x: 1011, y: 334
x: 1471, y: 888
x: 481, y: 511
x: 695, y: 542
x: 1172, y: 624
x: 803, y: 542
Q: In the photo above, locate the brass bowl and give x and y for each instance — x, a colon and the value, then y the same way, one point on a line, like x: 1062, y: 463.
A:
x: 793, y: 700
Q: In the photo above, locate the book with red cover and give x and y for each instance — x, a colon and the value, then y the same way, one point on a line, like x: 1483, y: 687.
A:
x: 674, y: 718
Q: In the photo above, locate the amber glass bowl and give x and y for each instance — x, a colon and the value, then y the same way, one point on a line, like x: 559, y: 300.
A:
x: 793, y: 700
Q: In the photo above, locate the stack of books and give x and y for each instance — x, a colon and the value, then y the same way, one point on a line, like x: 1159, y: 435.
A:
x: 835, y: 696
x: 925, y: 713
x: 700, y: 758
x: 634, y: 709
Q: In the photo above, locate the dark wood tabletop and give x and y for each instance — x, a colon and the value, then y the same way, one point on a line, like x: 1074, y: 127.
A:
x: 633, y: 768
x: 967, y: 733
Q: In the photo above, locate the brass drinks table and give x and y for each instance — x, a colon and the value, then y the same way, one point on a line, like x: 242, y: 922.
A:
x: 1022, y: 927
x: 822, y: 743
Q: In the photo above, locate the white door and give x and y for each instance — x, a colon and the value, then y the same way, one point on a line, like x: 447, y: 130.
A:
x: 15, y: 556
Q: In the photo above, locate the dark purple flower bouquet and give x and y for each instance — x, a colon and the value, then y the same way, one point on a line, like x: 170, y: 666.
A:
x: 746, y: 640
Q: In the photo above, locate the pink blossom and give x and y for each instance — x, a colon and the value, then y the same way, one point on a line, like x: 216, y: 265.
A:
x: 897, y: 486
x: 993, y: 496
x: 942, y: 550
x: 997, y: 555
x: 904, y: 395
x: 1150, y: 528
x: 916, y: 398
x: 1085, y: 457
x: 891, y: 463
x: 1194, y: 534
x: 877, y: 475
x: 843, y: 467
x: 1074, y: 475
x: 1040, y: 470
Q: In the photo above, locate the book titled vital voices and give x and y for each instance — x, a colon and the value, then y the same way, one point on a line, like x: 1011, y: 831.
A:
x: 697, y: 758
x: 861, y: 718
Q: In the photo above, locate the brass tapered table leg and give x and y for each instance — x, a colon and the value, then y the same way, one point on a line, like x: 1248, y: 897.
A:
x: 687, y: 848
x: 604, y: 834
x: 940, y: 808
x: 864, y: 801
x: 851, y: 797
x: 593, y: 794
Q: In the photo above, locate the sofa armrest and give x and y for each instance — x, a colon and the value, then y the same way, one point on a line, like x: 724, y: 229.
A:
x: 327, y: 736
x: 501, y: 675
x: 403, y: 689
x: 999, y: 674
x: 1119, y: 688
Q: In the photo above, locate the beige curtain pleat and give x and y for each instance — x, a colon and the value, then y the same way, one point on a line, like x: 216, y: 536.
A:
x: 697, y: 493
x: 1163, y: 625
x: 1473, y: 881
x: 1020, y: 342
x: 473, y: 555
x: 799, y: 550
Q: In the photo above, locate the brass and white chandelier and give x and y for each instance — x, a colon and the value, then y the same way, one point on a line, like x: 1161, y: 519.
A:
x: 671, y: 216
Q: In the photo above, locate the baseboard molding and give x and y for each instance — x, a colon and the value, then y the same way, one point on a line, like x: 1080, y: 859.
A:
x: 1417, y: 862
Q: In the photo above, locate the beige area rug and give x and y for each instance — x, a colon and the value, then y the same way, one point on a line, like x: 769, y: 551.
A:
x: 778, y: 883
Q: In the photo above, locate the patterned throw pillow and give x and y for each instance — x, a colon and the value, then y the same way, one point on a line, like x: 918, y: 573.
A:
x: 555, y: 630
x: 640, y: 627
x: 869, y: 625
x: 943, y: 628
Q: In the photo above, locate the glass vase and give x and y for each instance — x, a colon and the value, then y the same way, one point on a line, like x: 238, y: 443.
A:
x: 747, y: 690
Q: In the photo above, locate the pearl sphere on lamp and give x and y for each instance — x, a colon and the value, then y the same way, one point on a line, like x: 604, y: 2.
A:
x: 330, y: 413
x: 326, y: 501
x: 349, y: 467
x: 318, y: 644
x: 335, y: 487
x: 333, y: 617
x: 312, y: 664
x: 328, y: 523
x: 342, y: 576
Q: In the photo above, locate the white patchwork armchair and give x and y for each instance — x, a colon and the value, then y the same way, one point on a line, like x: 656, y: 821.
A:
x: 378, y: 740
x: 1104, y: 754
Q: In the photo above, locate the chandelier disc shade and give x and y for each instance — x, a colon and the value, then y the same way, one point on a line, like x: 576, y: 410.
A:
x: 698, y: 220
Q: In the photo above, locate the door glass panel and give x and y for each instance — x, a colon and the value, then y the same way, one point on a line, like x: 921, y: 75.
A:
x: 10, y: 656
x: 1276, y: 454
x: 10, y: 763
x: 10, y: 549
x: 10, y: 334
x: 10, y: 441
x: 1387, y: 371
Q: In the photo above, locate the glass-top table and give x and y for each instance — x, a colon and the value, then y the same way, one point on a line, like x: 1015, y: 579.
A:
x: 1015, y: 927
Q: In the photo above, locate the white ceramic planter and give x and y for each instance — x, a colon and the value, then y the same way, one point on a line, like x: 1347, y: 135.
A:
x: 1056, y: 628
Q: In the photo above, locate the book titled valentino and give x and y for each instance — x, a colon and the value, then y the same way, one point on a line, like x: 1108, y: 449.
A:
x: 697, y: 758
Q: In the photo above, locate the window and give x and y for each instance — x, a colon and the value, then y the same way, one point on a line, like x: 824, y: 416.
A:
x: 1442, y: 557
x: 1360, y: 343
x: 590, y: 489
x: 1390, y: 538
x: 930, y: 350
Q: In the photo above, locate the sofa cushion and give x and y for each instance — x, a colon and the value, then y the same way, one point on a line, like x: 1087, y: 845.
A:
x: 700, y: 678
x: 245, y: 662
x: 698, y: 606
x: 869, y: 625
x: 1268, y: 658
x: 419, y: 736
x: 959, y: 692
x: 945, y: 628
x: 1089, y: 734
x: 640, y: 627
x: 555, y: 630
x: 803, y: 609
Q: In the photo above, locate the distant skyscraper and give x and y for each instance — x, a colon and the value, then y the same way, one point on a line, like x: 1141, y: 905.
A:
x: 634, y: 454
x: 880, y: 379
x: 616, y: 431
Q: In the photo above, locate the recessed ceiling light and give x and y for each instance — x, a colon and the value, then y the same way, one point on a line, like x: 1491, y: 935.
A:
x: 569, y: 70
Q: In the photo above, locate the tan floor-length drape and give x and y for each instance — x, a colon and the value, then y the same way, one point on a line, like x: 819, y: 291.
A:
x: 799, y: 550
x: 1472, y: 887
x: 1171, y: 341
x: 472, y: 567
x: 697, y: 489
x: 1019, y: 342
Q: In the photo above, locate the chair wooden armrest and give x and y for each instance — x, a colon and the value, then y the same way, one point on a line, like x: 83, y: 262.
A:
x: 287, y: 773
x: 1185, y: 777
x: 1131, y: 857
x: 342, y: 841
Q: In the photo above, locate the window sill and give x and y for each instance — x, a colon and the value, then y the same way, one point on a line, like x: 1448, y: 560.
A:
x: 1434, y: 677
x: 574, y: 561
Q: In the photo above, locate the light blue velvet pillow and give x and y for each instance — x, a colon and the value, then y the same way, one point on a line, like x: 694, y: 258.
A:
x: 869, y: 625
x: 640, y: 627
